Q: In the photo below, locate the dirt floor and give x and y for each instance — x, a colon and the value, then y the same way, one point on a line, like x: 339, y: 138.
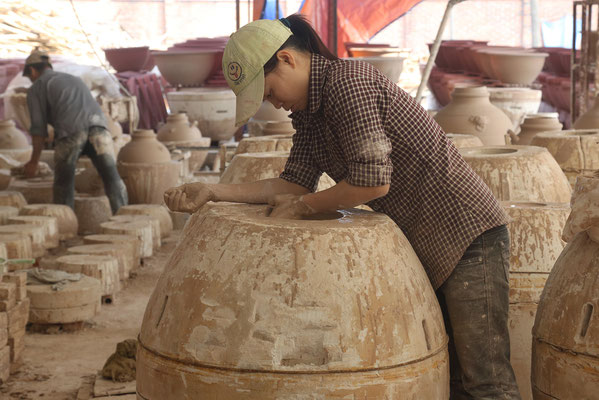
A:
x: 54, y: 366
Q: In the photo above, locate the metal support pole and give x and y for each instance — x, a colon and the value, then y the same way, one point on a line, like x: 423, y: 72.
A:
x: 534, y: 23
x: 332, y: 23
x: 277, y: 9
x: 435, y: 49
x: 237, y: 14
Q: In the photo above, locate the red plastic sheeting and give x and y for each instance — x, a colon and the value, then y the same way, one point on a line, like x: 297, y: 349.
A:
x: 357, y: 20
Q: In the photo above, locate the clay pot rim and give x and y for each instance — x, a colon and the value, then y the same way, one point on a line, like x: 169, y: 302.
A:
x: 125, y: 49
x: 255, y: 214
x: 534, y: 205
x: 265, y: 154
x: 549, y: 115
x: 501, y: 151
x: 201, y: 140
x: 569, y: 133
x: 532, y: 54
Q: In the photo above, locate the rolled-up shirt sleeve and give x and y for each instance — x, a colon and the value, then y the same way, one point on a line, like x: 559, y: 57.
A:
x: 300, y: 167
x: 36, y: 104
x: 354, y: 109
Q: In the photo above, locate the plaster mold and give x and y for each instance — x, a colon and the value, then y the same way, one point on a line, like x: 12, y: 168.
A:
x: 12, y: 198
x: 115, y: 250
x: 75, y: 302
x: 103, y: 268
x: 264, y: 144
x: 65, y: 217
x: 519, y: 173
x: 131, y: 242
x: 159, y: 212
x: 50, y: 225
x: 18, y: 245
x: 576, y: 151
x: 142, y: 230
x: 252, y: 307
x: 35, y: 190
x: 152, y: 221
x: 36, y: 234
x: 535, y: 244
x: 91, y: 212
x: 6, y: 212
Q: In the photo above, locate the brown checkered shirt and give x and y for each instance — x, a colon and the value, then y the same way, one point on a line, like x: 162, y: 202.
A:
x: 362, y: 128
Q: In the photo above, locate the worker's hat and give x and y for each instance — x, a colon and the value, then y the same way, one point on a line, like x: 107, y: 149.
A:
x: 36, y: 57
x: 246, y: 52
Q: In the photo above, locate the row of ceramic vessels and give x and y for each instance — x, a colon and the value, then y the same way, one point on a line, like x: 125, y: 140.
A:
x: 513, y: 65
x: 188, y: 63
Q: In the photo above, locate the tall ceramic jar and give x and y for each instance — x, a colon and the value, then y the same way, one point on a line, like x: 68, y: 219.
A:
x: 179, y: 133
x: 471, y: 112
x: 13, y: 142
x: 146, y: 168
x: 533, y: 124
x: 251, y: 307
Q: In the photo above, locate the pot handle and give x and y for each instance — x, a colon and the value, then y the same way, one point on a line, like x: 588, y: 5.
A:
x: 511, y: 137
x: 480, y: 122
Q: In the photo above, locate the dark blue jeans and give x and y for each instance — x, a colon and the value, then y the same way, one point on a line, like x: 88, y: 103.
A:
x: 475, y: 301
x: 96, y: 144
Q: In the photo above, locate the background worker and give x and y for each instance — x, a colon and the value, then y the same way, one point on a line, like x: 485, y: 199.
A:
x: 384, y: 150
x: 63, y: 101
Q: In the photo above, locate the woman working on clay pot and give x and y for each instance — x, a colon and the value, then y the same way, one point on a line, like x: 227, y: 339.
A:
x: 383, y: 150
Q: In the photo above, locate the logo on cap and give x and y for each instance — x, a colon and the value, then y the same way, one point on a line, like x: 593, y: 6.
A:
x: 234, y: 70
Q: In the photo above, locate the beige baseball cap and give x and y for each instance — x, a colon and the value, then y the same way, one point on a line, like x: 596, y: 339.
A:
x: 246, y: 52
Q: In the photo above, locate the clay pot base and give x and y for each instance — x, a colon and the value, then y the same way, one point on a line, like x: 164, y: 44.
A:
x: 160, y: 378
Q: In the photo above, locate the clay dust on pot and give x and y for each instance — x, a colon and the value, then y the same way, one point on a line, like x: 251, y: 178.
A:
x: 245, y: 310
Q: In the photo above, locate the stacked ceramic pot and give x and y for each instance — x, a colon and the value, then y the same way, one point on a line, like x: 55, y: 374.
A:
x: 519, y: 173
x: 212, y: 108
x: 590, y: 119
x: 245, y: 311
x: 267, y: 113
x: 535, y: 244
x: 146, y: 168
x: 516, y: 103
x: 178, y: 132
x: 470, y: 112
x: 576, y: 151
x: 565, y: 352
x: 13, y: 142
x: 555, y: 78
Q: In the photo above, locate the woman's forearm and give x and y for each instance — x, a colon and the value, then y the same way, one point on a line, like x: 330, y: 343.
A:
x: 256, y: 192
x: 343, y: 195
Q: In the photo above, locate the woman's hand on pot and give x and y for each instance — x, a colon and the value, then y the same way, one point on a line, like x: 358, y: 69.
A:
x: 189, y: 197
x: 289, y: 206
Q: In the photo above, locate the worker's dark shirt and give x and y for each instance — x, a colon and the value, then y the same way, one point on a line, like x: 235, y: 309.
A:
x: 362, y: 128
x: 63, y: 101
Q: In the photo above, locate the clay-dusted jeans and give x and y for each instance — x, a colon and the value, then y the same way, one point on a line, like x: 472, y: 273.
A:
x: 67, y: 151
x: 475, y: 300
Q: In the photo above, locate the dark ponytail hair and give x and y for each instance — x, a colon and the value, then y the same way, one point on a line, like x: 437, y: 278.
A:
x: 304, y: 38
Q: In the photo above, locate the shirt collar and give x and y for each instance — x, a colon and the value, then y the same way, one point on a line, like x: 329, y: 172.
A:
x: 319, y: 67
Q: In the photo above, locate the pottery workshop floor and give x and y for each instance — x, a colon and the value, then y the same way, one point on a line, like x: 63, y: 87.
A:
x: 54, y: 366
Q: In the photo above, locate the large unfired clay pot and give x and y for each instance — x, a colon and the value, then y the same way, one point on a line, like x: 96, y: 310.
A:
x: 519, y: 173
x: 13, y: 142
x: 266, y: 113
x: 535, y: 244
x: 146, y: 168
x: 590, y: 119
x: 517, y: 67
x: 533, y: 124
x: 565, y: 352
x: 251, y: 307
x: 471, y: 112
x: 576, y: 151
x: 516, y: 103
x: 212, y: 108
